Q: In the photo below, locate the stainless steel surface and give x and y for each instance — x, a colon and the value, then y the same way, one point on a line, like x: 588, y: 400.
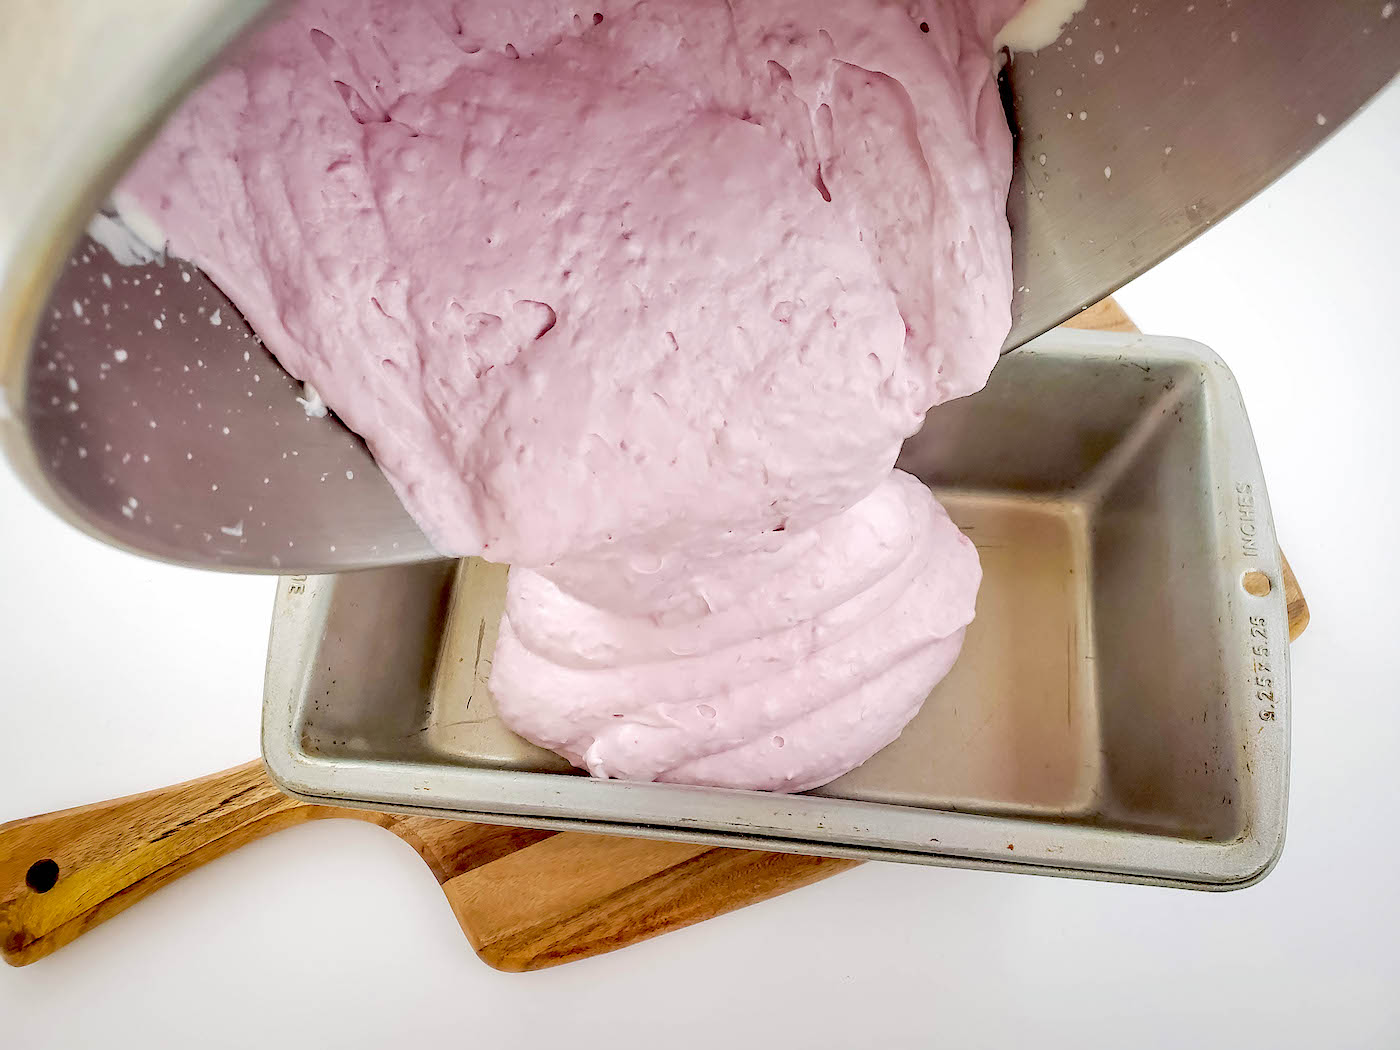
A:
x: 1120, y: 709
x: 86, y: 83
x: 1147, y: 122
x: 184, y: 438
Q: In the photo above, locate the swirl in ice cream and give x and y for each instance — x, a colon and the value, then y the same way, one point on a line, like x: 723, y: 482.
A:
x: 641, y: 299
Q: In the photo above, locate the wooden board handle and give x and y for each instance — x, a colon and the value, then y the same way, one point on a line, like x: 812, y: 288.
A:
x: 63, y: 873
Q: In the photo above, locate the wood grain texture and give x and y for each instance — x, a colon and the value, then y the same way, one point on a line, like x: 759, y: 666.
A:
x: 708, y: 883
x: 1298, y: 615
x: 1104, y: 316
x: 103, y: 858
x: 526, y: 899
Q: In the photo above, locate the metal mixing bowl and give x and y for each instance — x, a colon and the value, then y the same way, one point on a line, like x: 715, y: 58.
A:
x: 1147, y: 122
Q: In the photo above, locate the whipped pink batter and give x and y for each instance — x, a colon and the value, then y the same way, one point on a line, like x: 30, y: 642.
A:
x: 641, y: 298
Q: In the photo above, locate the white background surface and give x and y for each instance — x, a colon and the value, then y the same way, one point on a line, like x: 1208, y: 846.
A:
x: 118, y: 675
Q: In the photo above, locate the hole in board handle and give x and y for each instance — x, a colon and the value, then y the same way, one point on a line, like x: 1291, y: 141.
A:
x: 42, y: 875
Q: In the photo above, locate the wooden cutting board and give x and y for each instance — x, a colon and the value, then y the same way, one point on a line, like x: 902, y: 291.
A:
x: 526, y: 899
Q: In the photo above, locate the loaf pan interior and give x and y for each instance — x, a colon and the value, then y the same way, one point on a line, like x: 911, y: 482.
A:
x: 1092, y: 688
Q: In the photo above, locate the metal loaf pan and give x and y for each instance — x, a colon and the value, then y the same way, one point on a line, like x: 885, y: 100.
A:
x: 1120, y: 709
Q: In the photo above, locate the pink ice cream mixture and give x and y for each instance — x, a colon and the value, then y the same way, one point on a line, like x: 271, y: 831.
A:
x: 641, y: 299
